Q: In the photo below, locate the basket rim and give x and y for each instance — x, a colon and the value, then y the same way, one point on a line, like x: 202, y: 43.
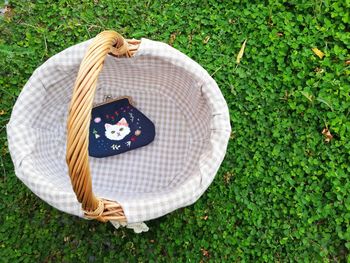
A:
x: 147, y: 47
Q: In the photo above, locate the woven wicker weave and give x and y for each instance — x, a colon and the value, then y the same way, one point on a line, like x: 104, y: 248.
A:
x: 79, y: 120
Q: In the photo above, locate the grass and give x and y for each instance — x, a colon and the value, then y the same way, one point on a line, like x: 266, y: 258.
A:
x: 282, y: 193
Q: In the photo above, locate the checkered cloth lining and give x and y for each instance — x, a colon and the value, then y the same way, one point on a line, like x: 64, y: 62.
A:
x: 177, y: 94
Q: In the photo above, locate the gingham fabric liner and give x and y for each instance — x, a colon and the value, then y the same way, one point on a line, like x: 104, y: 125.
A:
x: 177, y: 94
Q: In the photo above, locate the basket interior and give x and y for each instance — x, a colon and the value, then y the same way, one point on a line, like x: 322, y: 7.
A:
x: 166, y: 94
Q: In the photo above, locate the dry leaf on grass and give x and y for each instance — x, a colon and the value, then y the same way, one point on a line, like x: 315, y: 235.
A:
x: 172, y: 39
x: 327, y: 134
x: 205, y: 252
x: 241, y: 52
x: 318, y: 52
x: 206, y: 39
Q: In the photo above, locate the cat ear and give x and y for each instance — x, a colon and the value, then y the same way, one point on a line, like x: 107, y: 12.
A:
x: 123, y: 122
x: 107, y: 126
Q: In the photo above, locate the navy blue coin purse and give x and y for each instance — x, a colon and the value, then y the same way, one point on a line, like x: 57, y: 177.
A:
x: 116, y: 127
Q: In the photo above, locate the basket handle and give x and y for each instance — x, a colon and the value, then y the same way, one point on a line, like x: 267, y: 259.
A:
x: 79, y: 116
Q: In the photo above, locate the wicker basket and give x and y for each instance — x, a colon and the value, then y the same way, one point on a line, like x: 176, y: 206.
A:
x: 50, y: 121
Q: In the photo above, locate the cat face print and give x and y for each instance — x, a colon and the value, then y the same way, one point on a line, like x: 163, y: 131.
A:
x: 117, y: 131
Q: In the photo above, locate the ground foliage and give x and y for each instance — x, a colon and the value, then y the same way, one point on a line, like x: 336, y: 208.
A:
x: 283, y: 191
